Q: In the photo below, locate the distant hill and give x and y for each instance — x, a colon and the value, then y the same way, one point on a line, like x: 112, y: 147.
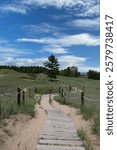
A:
x: 7, y: 71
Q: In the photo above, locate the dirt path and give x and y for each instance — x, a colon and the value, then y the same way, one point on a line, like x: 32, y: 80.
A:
x: 59, y: 133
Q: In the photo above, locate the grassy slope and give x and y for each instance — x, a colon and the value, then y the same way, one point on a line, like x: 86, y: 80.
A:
x: 10, y: 80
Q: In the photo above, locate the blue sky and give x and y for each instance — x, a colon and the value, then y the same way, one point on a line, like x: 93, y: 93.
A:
x: 31, y: 30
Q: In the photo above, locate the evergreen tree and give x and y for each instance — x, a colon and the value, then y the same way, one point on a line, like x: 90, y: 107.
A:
x: 52, y: 67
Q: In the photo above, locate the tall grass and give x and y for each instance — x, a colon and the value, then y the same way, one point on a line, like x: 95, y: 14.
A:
x: 81, y: 133
x: 9, y: 106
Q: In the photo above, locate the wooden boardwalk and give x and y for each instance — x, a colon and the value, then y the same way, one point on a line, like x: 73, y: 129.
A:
x: 59, y: 133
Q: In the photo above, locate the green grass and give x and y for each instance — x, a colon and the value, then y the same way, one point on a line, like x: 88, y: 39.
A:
x: 10, y: 107
x: 92, y: 87
x: 96, y: 125
x: 81, y: 134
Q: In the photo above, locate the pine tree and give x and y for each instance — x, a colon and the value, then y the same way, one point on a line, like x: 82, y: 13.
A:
x: 52, y: 67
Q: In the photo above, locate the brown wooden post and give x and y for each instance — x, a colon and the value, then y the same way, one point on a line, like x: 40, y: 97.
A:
x: 62, y: 94
x: 70, y: 88
x: 23, y: 96
x: 82, y: 98
x: 64, y: 100
x: 59, y: 90
x: 18, y: 96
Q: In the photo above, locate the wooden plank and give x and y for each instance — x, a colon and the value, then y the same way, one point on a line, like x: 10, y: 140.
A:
x: 70, y: 131
x: 61, y: 142
x: 48, y: 147
x: 59, y: 137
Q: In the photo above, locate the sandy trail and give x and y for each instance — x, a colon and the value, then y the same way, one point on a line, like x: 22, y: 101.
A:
x: 45, y: 102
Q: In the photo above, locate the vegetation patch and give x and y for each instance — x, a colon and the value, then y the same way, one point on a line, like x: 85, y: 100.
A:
x: 10, y: 107
x: 96, y: 125
x: 7, y: 71
x: 81, y: 133
x: 46, y: 89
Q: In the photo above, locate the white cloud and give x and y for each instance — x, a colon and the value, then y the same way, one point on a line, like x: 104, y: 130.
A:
x: 70, y: 60
x: 13, y: 8
x: 30, y: 40
x: 93, y: 10
x: 87, y: 23
x: 22, y: 61
x: 41, y: 28
x: 67, y: 40
x: 55, y: 50
x: 11, y: 51
x: 87, y: 68
x: 76, y: 7
x: 56, y: 3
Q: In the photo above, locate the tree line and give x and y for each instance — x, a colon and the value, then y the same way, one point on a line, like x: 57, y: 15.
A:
x: 25, y: 69
x: 93, y: 75
x: 51, y: 68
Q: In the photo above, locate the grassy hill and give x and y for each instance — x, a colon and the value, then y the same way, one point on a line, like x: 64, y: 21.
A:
x: 10, y: 80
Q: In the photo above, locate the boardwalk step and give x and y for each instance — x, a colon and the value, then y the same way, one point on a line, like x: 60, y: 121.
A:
x: 48, y: 147
x: 61, y: 142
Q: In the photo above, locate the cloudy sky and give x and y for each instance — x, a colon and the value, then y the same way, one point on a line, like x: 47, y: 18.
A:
x: 31, y: 30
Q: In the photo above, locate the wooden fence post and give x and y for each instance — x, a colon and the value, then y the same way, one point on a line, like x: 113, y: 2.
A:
x: 70, y: 88
x: 64, y: 100
x: 82, y: 98
x: 62, y: 93
x: 59, y: 90
x: 18, y: 96
x: 23, y: 97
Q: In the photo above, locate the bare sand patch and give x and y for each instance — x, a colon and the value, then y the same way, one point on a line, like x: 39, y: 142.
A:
x: 21, y: 132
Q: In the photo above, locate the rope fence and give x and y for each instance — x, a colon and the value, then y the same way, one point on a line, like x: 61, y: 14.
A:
x: 9, y: 102
x: 65, y: 90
